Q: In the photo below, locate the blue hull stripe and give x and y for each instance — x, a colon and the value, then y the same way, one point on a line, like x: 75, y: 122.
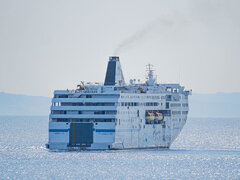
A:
x: 105, y: 130
x: 58, y: 130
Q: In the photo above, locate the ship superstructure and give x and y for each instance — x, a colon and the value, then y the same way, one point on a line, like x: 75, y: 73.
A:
x: 116, y: 115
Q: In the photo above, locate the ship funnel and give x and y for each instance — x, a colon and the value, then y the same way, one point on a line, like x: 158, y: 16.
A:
x: 114, y: 75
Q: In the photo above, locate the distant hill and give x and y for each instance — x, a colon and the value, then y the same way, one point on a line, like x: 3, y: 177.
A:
x: 23, y: 105
x: 201, y: 105
x: 215, y: 105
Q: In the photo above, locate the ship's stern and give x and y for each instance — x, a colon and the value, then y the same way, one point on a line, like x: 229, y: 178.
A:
x: 81, y: 135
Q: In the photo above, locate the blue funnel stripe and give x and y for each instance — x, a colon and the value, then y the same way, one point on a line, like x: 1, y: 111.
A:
x: 110, y: 75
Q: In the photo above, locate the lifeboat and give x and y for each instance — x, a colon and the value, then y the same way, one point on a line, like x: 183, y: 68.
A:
x: 159, y: 116
x: 150, y: 115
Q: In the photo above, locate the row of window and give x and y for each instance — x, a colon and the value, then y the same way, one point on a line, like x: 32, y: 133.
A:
x: 154, y: 122
x: 164, y: 112
x: 129, y: 112
x: 138, y: 104
x: 105, y: 104
x: 167, y: 97
x: 83, y: 104
x: 152, y: 104
x: 148, y: 97
x: 82, y: 120
x: 85, y: 96
x: 185, y: 105
x: 81, y: 112
x: 176, y: 112
x: 175, y: 105
x: 146, y: 122
x: 179, y: 105
x: 179, y: 112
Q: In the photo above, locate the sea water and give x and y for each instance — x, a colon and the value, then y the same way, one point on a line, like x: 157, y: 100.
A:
x: 206, y: 149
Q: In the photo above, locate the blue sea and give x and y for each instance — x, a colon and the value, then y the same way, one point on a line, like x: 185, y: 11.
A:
x: 206, y: 149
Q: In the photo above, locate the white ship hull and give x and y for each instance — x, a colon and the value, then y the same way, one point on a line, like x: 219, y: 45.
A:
x: 123, y: 117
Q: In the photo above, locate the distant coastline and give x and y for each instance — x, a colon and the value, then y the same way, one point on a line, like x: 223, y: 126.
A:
x: 217, y: 105
x: 23, y: 105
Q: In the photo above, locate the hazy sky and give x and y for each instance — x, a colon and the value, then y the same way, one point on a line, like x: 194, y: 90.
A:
x: 47, y: 45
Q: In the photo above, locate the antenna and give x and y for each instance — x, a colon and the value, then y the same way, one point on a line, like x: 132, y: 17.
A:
x: 149, y: 71
x: 150, y: 79
x: 149, y: 68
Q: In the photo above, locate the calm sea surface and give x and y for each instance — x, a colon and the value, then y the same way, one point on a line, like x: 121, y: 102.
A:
x: 205, y: 149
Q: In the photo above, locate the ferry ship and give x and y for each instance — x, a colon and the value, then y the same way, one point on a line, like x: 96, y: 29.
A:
x: 116, y: 115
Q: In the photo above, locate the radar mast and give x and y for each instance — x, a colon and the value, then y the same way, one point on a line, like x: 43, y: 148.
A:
x: 150, y: 79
